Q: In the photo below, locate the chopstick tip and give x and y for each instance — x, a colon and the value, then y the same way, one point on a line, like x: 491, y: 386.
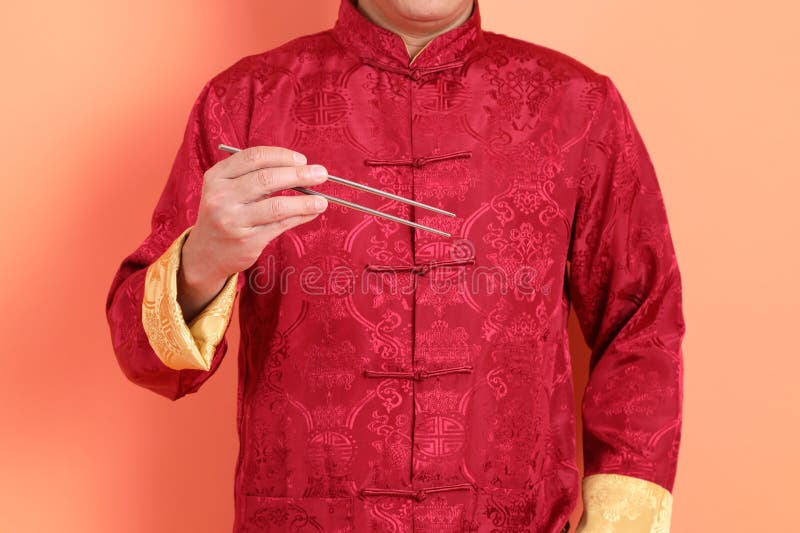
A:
x: 226, y: 148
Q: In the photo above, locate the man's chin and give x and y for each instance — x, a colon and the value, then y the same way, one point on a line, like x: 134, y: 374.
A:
x: 428, y: 11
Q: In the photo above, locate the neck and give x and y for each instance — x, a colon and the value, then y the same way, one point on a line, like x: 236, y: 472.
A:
x: 415, y: 32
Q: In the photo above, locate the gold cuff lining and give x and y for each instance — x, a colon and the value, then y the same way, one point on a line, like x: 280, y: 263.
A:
x: 178, y: 345
x: 615, y: 503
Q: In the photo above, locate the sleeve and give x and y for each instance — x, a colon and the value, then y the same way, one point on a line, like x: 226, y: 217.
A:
x: 625, y: 287
x: 154, y: 347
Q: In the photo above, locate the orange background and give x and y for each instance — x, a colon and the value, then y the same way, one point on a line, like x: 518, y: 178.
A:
x: 94, y: 100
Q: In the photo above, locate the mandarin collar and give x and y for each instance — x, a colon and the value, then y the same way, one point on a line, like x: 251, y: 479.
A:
x: 385, y: 49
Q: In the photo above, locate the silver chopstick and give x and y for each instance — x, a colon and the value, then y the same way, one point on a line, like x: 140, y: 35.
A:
x: 361, y: 208
x: 385, y: 194
x: 370, y: 211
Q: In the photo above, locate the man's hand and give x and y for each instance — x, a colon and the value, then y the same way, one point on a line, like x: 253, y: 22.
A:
x: 237, y: 217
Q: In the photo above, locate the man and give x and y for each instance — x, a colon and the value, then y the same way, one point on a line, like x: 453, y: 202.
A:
x: 391, y: 379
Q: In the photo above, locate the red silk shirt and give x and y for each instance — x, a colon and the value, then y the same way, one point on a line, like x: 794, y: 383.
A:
x: 391, y: 379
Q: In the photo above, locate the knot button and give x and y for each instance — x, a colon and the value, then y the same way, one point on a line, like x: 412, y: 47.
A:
x: 422, y: 269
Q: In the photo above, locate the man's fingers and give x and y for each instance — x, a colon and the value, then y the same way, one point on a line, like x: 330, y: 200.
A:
x: 254, y: 158
x: 262, y: 182
x: 273, y: 230
x: 275, y: 209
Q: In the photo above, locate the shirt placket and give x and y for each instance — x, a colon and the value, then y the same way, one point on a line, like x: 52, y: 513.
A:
x: 417, y: 374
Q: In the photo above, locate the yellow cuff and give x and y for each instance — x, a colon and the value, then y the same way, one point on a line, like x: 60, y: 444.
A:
x: 178, y: 345
x: 615, y: 503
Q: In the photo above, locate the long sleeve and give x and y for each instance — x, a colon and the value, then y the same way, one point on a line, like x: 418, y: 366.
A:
x: 625, y: 286
x: 141, y: 361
